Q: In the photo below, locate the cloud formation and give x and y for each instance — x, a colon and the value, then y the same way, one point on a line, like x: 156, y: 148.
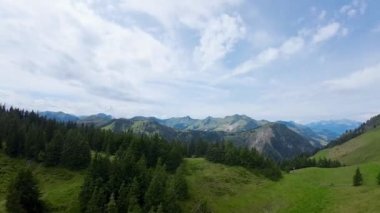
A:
x: 361, y: 79
x: 326, y: 32
x: 176, y: 58
x: 218, y: 39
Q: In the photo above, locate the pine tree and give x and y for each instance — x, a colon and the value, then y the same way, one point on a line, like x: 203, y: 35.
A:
x: 357, y: 179
x: 34, y: 142
x: 180, y: 185
x: 86, y: 192
x: 173, y: 159
x: 111, y: 206
x: 122, y: 201
x: 24, y: 195
x: 93, y: 204
x: 156, y: 189
x: 170, y: 199
x: 76, y: 151
x: 15, y: 140
x: 54, y: 149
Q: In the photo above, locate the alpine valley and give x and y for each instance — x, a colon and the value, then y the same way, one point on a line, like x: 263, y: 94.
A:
x: 279, y: 140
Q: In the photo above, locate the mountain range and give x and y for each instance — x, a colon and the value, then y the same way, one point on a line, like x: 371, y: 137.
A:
x: 278, y: 140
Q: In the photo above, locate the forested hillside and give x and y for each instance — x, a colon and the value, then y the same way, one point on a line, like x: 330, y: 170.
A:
x: 124, y: 171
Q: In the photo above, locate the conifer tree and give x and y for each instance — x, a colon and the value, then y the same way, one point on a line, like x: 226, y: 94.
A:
x: 93, y: 204
x: 156, y: 189
x: 174, y: 159
x: 15, y: 140
x: 170, y: 199
x: 86, y: 192
x: 24, y: 195
x: 357, y: 179
x: 111, y: 206
x: 54, y: 149
x: 180, y: 185
x: 76, y: 151
x: 122, y: 201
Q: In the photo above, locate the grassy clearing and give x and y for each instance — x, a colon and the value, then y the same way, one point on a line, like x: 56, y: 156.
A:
x: 59, y: 186
x: 234, y: 189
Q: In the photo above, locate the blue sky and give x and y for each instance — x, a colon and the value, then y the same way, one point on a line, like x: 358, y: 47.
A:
x: 276, y: 60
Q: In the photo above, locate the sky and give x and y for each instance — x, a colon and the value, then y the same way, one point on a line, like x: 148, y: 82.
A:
x: 268, y: 59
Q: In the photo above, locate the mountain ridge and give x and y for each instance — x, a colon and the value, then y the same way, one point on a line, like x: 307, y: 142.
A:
x: 278, y: 140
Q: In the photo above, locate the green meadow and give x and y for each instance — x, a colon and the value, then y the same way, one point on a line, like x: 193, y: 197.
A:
x: 235, y: 189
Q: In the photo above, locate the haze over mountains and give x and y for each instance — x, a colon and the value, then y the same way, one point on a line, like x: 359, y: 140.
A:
x: 279, y: 140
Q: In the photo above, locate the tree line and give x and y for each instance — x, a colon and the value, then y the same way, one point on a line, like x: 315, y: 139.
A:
x: 228, y: 154
x: 304, y: 161
x: 28, y: 135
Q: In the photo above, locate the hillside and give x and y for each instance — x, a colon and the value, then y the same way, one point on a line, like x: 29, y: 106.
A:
x: 59, y: 187
x: 362, y: 149
x: 234, y: 189
x: 275, y: 140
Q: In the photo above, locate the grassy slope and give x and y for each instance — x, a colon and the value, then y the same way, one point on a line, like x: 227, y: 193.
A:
x: 59, y: 186
x: 362, y: 149
x: 234, y: 189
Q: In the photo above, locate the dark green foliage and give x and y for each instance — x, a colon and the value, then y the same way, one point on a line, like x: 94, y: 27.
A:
x: 173, y: 159
x: 35, y: 141
x: 136, y: 185
x: 303, y: 161
x: 54, y: 149
x: 95, y: 203
x: 357, y: 179
x: 15, y: 139
x: 76, y: 151
x: 378, y: 179
x: 179, y: 185
x: 156, y: 190
x: 111, y: 206
x: 171, y: 197
x: 133, y: 197
x: 24, y: 195
x: 228, y: 154
x: 122, y: 201
x: 86, y: 192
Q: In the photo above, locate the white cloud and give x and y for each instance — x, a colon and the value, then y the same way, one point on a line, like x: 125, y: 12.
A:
x: 289, y: 47
x: 192, y: 13
x: 218, y: 38
x: 326, y: 32
x: 354, y: 8
x: 66, y: 40
x: 365, y: 78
